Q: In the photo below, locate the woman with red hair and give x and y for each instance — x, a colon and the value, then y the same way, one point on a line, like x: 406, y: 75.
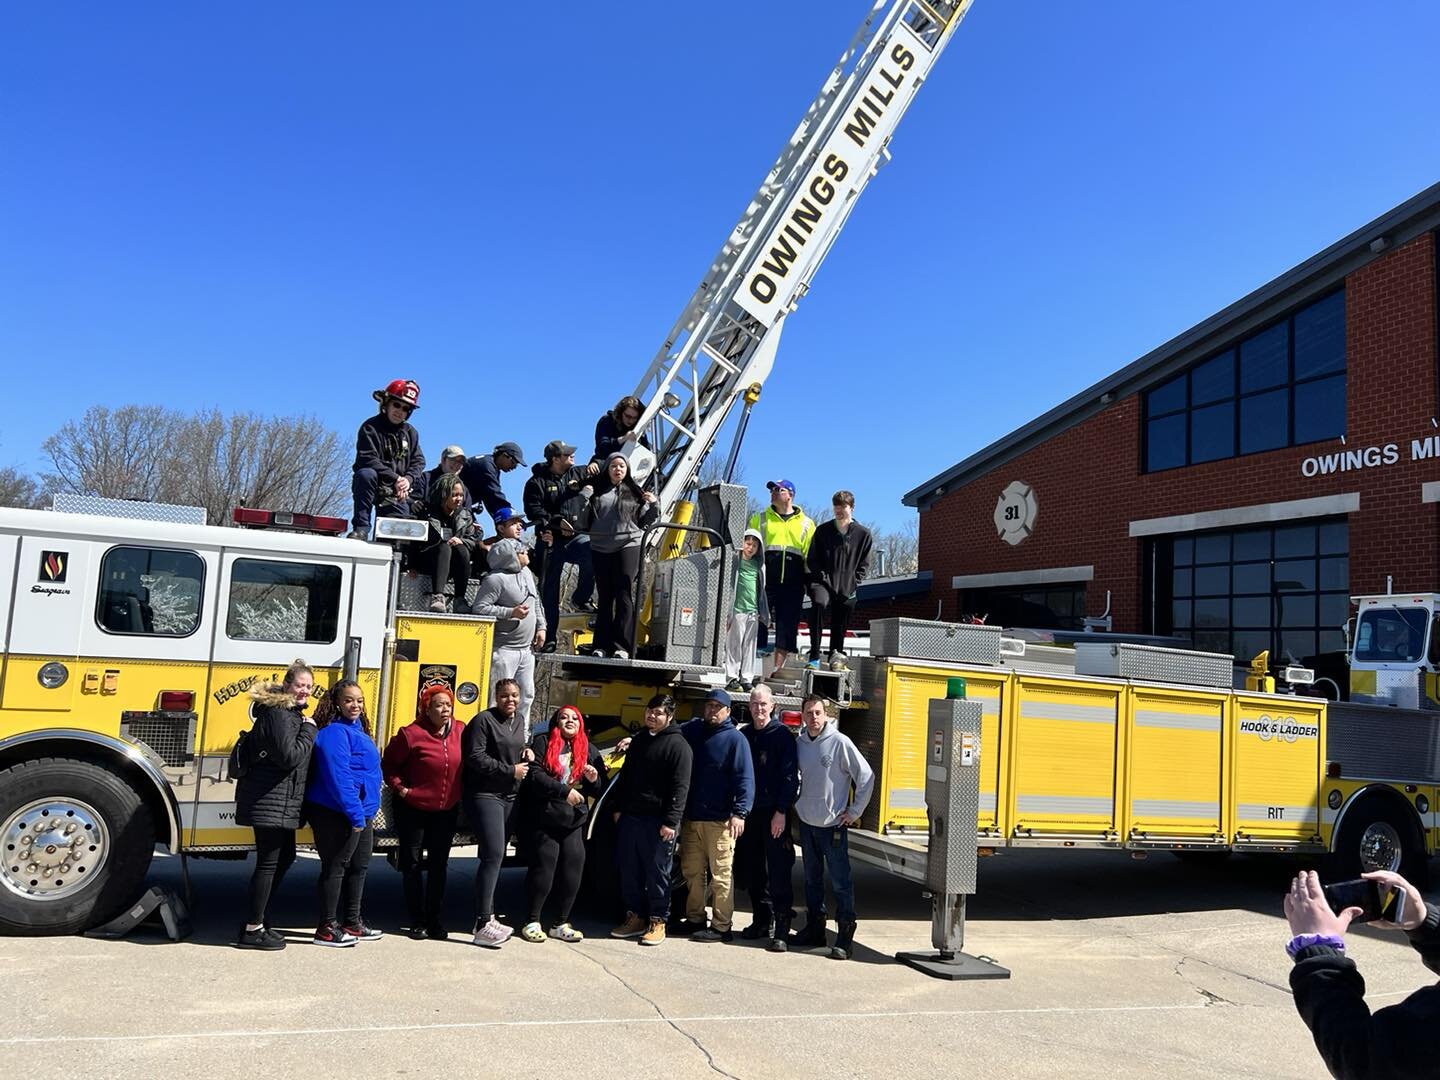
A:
x: 422, y: 769
x: 567, y: 770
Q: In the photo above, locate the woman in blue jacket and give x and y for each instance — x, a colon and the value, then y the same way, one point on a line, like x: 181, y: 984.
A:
x: 341, y: 801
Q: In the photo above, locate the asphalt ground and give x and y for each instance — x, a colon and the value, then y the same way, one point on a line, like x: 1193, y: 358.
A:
x: 1121, y: 968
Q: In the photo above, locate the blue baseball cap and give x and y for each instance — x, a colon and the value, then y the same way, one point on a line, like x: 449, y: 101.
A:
x: 786, y: 484
x: 507, y: 513
x: 719, y: 695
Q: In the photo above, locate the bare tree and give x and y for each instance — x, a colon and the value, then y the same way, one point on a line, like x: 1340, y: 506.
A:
x: 897, y: 551
x: 18, y: 488
x: 211, y: 459
x: 116, y: 453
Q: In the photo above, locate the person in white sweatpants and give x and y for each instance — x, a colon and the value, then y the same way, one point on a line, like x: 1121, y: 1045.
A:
x: 751, y: 609
x: 510, y: 596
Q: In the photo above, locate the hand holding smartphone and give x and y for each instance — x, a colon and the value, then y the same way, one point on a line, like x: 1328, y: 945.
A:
x: 1375, y: 900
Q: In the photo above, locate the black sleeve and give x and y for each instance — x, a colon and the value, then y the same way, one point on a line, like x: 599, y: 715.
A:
x: 369, y: 454
x: 540, y: 776
x: 607, y: 438
x: 487, y: 489
x: 815, y: 557
x: 1425, y: 938
x: 862, y: 563
x: 649, y: 512
x: 290, y: 738
x: 593, y: 789
x: 788, y: 774
x: 674, y: 807
x: 533, y: 500
x: 1330, y: 997
x: 416, y: 471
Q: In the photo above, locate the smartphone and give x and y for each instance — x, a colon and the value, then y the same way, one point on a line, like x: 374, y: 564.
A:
x: 1376, y: 901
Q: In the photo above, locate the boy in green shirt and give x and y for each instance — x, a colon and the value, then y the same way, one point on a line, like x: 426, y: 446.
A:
x: 751, y: 609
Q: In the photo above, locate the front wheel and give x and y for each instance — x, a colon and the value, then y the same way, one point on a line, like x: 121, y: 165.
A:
x: 76, y: 841
x: 1376, y: 835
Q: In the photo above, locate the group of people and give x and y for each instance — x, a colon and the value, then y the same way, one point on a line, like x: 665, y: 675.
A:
x: 695, y: 786
x: 717, y: 791
x: 593, y: 516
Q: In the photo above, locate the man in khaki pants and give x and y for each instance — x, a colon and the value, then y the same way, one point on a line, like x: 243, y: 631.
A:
x: 722, y: 790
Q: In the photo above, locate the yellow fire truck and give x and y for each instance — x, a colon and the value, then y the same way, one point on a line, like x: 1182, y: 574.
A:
x: 130, y: 646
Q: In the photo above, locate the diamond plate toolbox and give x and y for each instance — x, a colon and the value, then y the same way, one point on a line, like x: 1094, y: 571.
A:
x: 921, y: 639
x: 1150, y: 663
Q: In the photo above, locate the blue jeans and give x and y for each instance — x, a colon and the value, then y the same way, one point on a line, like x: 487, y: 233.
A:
x: 365, y: 486
x: 822, y: 847
x: 644, y: 860
x: 575, y: 550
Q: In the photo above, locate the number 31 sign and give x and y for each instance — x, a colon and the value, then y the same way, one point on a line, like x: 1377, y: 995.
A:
x: 1015, y: 512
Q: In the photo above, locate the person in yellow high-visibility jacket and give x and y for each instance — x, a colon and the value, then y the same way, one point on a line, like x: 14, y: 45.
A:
x: 787, y: 531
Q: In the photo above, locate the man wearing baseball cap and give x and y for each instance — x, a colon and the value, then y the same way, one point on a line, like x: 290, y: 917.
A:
x: 554, y: 500
x: 787, y: 532
x: 722, y: 790
x: 452, y: 460
x: 389, y: 469
x: 482, y: 476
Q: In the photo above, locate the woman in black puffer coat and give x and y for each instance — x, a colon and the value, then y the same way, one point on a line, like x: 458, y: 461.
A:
x: 271, y: 763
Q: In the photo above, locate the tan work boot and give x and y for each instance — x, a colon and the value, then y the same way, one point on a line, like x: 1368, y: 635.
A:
x: 633, y: 926
x: 656, y: 934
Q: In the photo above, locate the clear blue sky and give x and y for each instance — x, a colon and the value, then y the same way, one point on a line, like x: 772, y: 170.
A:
x: 282, y: 206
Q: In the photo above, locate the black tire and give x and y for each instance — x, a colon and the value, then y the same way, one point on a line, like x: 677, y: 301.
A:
x: 129, y: 831
x: 1369, y: 830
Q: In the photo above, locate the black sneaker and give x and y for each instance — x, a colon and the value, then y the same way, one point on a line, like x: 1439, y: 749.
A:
x: 261, y: 939
x: 686, y: 928
x: 360, y: 932
x: 756, y: 930
x: 333, y: 936
x: 437, y: 932
x: 709, y: 934
x: 416, y: 933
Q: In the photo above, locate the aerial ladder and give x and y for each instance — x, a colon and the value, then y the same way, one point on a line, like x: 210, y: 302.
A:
x: 722, y: 347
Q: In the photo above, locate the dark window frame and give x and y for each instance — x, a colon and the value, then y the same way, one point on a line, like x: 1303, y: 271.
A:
x: 1238, y: 395
x: 102, y: 591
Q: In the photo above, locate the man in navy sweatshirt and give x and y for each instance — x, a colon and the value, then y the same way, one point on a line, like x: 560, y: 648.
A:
x: 767, y: 851
x: 722, y: 790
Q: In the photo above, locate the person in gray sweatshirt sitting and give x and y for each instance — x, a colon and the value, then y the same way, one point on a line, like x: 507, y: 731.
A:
x: 510, y: 596
x: 836, y: 783
x: 616, y: 521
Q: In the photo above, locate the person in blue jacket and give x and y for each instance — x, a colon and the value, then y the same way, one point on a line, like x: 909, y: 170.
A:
x: 341, y: 801
x: 722, y: 791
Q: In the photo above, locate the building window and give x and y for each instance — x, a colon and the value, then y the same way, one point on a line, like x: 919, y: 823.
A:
x: 1283, y: 588
x: 1040, y: 607
x: 150, y: 591
x: 283, y: 601
x: 1283, y: 386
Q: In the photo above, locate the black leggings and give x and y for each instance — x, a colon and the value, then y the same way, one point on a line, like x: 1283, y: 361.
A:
x: 446, y: 562
x: 274, y: 853
x: 615, y: 573
x: 490, y: 819
x: 558, y: 859
x: 431, y: 831
x: 344, y: 859
x: 828, y: 607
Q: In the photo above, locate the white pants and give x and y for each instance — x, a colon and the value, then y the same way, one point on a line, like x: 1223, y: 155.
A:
x: 740, y: 639
x: 517, y: 664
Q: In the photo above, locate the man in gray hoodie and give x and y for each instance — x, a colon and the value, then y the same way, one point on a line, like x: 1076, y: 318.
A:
x: 835, y: 787
x: 510, y: 596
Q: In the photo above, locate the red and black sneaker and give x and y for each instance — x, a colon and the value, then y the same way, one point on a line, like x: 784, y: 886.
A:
x: 334, y: 936
x: 360, y: 932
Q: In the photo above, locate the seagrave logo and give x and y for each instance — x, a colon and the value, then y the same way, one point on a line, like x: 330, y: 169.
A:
x: 1280, y: 728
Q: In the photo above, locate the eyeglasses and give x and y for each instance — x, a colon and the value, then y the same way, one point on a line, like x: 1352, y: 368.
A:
x: 396, y: 403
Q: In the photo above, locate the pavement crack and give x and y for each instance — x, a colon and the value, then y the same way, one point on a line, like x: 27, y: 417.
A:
x: 648, y: 1000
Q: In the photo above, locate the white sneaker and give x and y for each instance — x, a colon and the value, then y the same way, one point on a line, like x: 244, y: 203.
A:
x: 837, y: 662
x: 620, y: 654
x: 492, y: 934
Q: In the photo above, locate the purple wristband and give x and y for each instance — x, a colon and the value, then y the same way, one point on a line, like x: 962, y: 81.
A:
x: 1304, y: 941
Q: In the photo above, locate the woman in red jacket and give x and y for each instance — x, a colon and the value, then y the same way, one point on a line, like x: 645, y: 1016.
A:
x: 422, y: 768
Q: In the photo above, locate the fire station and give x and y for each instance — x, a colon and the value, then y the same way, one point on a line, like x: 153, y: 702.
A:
x: 1236, y: 485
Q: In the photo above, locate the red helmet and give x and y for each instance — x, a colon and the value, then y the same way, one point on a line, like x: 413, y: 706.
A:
x: 406, y: 391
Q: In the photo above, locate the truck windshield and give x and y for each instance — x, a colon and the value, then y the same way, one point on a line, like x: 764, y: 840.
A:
x: 1391, y: 636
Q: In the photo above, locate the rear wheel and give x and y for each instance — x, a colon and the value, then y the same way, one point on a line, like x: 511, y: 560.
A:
x: 76, y: 841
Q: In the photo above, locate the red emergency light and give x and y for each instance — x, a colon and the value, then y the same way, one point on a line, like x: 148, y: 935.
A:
x: 177, y: 700
x: 247, y: 518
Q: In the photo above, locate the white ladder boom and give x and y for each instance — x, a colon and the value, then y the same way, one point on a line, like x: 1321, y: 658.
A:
x: 723, y: 344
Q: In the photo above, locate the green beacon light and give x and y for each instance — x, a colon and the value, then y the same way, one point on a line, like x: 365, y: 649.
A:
x: 955, y: 689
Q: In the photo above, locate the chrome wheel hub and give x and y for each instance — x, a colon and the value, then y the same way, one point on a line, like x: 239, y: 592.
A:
x: 1381, y: 847
x: 51, y: 848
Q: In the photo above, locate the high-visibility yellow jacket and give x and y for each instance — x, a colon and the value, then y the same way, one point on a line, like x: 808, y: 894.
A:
x: 787, y: 542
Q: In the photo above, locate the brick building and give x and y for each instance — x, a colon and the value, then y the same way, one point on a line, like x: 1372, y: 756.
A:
x: 1234, y: 486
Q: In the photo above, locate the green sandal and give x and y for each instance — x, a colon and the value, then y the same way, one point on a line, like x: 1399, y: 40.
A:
x: 532, y: 932
x: 565, y: 932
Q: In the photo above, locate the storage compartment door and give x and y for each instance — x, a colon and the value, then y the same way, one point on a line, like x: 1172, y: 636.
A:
x: 1066, y: 749
x: 1176, y: 765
